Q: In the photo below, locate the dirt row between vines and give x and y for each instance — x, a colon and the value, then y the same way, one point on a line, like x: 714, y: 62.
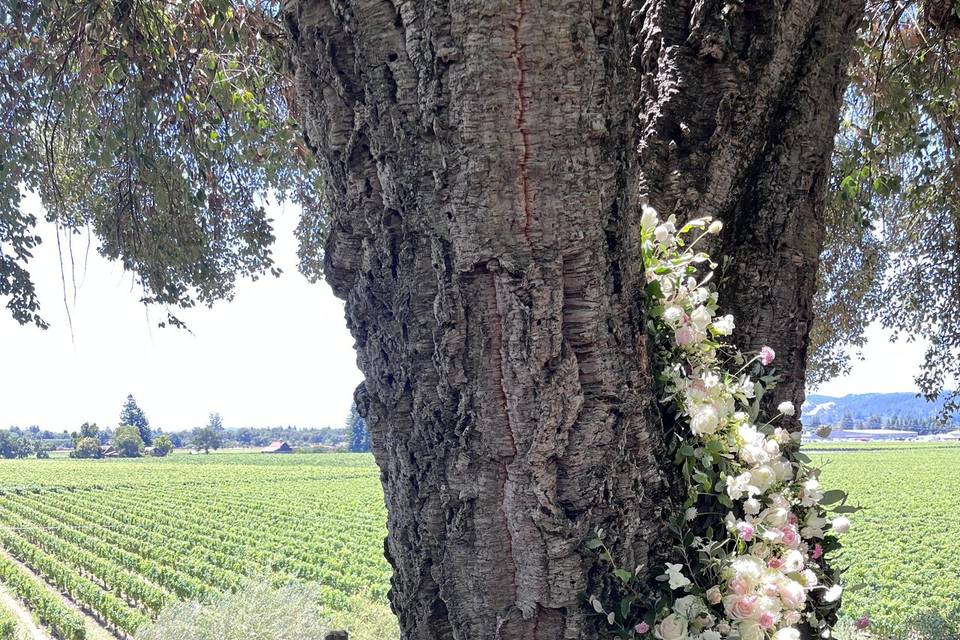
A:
x: 22, y: 615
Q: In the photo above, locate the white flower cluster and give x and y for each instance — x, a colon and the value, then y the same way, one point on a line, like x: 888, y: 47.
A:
x: 765, y: 556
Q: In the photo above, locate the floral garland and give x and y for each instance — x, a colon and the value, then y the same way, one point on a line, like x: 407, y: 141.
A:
x: 751, y: 539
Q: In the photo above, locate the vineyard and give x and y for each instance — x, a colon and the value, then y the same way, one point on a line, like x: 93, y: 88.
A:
x: 903, y: 551
x: 97, y: 549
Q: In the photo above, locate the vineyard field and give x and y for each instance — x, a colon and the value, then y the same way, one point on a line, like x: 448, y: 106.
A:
x: 118, y: 541
x: 903, y: 551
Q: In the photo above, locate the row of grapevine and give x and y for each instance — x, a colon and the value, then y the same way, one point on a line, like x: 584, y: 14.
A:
x: 111, y: 546
x: 47, y: 607
x: 125, y: 584
x: 104, y: 604
x: 286, y: 549
x: 124, y: 539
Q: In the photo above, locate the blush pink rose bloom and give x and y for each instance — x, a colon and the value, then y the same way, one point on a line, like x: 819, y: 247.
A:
x: 792, y: 594
x: 684, y: 336
x: 790, y: 537
x: 774, y: 563
x: 766, y: 620
x: 745, y: 529
x: 739, y: 586
x: 642, y: 627
x: 740, y: 607
x: 767, y: 355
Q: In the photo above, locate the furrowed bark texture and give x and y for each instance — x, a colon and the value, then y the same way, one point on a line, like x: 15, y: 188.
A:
x: 485, y: 162
x: 739, y: 114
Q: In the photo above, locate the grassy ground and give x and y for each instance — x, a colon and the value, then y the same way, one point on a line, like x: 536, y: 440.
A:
x: 903, y: 551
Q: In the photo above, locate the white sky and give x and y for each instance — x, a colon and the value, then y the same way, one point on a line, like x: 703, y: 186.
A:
x: 278, y: 354
x: 886, y: 367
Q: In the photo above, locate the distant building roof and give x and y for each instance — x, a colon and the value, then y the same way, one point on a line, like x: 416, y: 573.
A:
x: 277, y: 446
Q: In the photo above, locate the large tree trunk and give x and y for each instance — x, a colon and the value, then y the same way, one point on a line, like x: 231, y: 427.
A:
x: 485, y: 162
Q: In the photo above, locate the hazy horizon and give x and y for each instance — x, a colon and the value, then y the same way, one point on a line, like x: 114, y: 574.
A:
x: 279, y: 354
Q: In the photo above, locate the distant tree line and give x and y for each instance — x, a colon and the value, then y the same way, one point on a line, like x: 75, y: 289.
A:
x: 922, y: 425
x: 134, y: 437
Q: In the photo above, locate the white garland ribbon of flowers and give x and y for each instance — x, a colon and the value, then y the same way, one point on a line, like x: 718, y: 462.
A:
x: 751, y: 566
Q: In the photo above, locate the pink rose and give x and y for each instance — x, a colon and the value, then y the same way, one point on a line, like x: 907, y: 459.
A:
x: 817, y: 551
x: 792, y: 594
x: 745, y: 529
x: 767, y: 355
x: 774, y: 563
x: 790, y: 537
x: 714, y: 596
x: 740, y: 607
x: 684, y: 336
x: 792, y: 518
x: 766, y: 620
x: 739, y: 586
x: 642, y: 628
x: 862, y: 623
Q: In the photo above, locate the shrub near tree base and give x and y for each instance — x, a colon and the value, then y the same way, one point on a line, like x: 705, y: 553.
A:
x: 261, y: 612
x: 749, y: 544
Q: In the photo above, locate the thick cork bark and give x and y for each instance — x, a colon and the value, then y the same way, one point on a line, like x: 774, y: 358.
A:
x: 485, y: 163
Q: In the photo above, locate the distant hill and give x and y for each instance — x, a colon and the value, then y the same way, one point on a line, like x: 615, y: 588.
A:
x: 893, y: 409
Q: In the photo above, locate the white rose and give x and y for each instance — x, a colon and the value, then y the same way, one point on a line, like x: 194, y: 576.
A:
x: 833, y: 593
x: 705, y: 421
x: 673, y: 627
x: 840, y: 524
x: 762, y: 477
x: 700, y: 318
x: 673, y: 314
x: 792, y: 561
x: 689, y: 607
x: 751, y: 506
x: 786, y: 408
x: 714, y: 596
x: 783, y: 470
x: 724, y: 326
x: 675, y: 575
x: 777, y: 517
x: 710, y: 634
x: 661, y: 233
x: 648, y: 219
x: 787, y: 633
